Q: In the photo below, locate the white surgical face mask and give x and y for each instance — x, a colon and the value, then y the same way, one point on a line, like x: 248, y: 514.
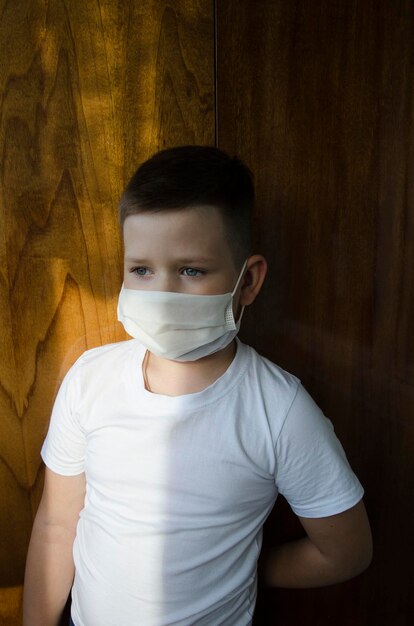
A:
x: 179, y: 326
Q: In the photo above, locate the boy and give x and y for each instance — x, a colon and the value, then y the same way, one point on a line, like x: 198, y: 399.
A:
x: 183, y: 436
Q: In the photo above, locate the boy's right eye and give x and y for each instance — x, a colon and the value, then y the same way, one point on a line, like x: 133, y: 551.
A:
x: 139, y: 271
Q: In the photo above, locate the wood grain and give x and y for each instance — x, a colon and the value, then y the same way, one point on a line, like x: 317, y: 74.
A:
x: 317, y: 98
x: 88, y: 91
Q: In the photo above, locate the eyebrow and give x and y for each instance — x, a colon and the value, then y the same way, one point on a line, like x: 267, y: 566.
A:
x: 195, y: 259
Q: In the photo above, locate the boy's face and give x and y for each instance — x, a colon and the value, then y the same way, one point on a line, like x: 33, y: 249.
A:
x: 185, y: 251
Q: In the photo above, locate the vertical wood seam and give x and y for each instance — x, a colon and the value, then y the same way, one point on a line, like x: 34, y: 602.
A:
x: 215, y: 74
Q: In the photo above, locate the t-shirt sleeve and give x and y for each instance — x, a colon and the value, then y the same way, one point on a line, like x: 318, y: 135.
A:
x: 63, y: 450
x: 312, y: 471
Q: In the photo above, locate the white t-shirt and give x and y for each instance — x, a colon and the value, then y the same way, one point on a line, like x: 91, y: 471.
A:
x: 178, y: 487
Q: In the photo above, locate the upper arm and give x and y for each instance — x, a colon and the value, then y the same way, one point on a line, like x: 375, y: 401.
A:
x: 344, y: 538
x: 62, y: 500
x: 312, y: 470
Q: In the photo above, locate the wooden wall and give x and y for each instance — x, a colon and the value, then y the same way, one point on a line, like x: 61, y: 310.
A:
x: 88, y: 90
x: 318, y: 98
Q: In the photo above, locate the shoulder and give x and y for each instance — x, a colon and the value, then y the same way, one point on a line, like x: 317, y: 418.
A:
x: 107, y: 351
x: 102, y: 360
x: 268, y: 391
x: 270, y: 380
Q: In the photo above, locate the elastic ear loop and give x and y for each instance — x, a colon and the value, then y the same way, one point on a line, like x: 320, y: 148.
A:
x: 229, y: 312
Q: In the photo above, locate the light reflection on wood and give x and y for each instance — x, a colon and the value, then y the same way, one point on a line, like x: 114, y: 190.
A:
x: 88, y: 90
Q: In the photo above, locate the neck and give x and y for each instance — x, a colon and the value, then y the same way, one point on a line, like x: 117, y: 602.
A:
x: 175, y: 378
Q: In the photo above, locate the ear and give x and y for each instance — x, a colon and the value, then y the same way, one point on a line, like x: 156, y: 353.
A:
x: 254, y: 276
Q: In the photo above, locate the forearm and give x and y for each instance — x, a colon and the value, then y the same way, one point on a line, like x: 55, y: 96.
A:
x: 299, y: 564
x: 49, y: 575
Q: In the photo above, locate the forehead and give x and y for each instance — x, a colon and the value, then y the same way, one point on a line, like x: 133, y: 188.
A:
x: 196, y: 230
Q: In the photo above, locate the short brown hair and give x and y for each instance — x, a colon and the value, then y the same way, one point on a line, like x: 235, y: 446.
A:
x: 192, y: 175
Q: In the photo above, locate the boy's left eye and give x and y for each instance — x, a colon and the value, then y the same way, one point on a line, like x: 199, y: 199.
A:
x: 191, y: 271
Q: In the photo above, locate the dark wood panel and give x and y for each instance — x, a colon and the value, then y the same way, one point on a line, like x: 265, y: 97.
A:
x: 317, y: 98
x: 88, y: 90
